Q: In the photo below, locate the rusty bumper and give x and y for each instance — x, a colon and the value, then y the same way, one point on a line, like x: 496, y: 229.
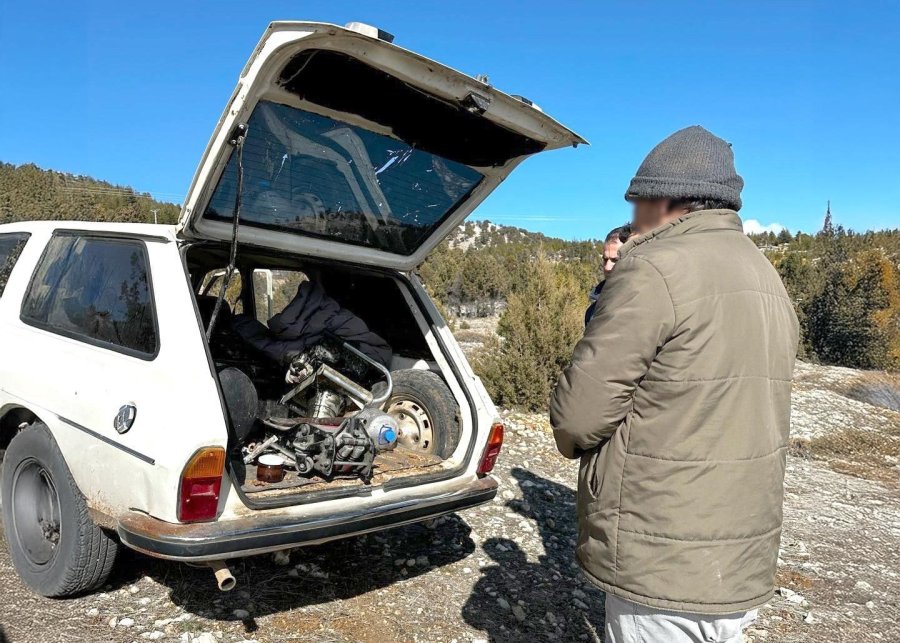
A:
x: 259, y: 533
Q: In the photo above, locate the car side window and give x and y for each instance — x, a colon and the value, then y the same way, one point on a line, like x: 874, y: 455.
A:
x: 10, y: 248
x: 95, y: 289
x: 212, y: 284
x: 276, y: 286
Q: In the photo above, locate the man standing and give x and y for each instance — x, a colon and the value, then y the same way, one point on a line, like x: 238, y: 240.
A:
x: 611, y: 245
x: 677, y: 401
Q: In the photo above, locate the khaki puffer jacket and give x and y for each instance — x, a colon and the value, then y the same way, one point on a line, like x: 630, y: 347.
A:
x: 677, y: 400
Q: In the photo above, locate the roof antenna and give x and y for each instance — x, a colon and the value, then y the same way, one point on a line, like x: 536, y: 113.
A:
x: 237, y: 140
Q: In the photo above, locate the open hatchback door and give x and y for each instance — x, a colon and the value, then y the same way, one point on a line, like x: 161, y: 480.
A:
x: 356, y: 149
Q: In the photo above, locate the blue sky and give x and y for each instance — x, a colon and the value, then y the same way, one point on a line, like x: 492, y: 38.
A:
x: 808, y: 93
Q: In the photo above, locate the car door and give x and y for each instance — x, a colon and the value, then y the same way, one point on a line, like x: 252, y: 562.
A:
x: 86, y: 353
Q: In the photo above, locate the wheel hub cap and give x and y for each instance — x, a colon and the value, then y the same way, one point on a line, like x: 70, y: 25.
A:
x: 415, y: 425
x: 35, y: 512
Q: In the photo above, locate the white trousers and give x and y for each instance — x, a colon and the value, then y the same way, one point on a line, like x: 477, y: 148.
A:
x: 628, y: 622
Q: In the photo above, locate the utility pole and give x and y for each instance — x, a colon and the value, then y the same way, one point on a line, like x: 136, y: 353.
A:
x: 154, y: 211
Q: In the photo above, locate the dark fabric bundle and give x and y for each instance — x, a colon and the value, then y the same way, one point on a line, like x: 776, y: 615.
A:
x: 307, y: 321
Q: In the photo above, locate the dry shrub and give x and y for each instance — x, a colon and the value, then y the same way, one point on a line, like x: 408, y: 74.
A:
x: 799, y: 448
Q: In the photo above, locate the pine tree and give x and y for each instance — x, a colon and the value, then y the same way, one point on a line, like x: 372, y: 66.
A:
x: 827, y: 227
x: 538, y: 330
x: 784, y: 237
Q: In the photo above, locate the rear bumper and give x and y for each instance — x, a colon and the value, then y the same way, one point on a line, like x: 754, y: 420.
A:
x: 260, y: 533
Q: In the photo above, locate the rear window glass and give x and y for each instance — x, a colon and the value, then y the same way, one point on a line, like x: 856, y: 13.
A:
x: 10, y: 248
x: 94, y: 289
x: 318, y: 176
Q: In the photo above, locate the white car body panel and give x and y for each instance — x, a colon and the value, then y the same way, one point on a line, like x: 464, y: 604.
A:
x: 57, y: 377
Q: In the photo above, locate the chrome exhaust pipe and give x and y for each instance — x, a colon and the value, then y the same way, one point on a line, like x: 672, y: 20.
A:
x: 224, y: 579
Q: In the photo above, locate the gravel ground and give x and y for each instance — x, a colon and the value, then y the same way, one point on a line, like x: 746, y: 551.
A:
x: 501, y: 572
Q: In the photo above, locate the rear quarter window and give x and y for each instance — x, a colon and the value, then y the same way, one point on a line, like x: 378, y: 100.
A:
x: 11, y: 246
x: 95, y: 289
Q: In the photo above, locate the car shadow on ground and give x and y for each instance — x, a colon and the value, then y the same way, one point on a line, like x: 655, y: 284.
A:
x: 316, y: 574
x: 518, y: 600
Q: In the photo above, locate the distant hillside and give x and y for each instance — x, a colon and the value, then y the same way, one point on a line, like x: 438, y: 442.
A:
x: 484, y: 234
x: 28, y: 192
x: 473, y: 272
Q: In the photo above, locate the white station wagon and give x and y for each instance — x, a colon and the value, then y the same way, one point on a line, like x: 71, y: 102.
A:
x: 268, y: 373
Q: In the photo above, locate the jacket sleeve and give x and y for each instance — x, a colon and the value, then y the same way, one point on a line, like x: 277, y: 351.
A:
x: 633, y: 318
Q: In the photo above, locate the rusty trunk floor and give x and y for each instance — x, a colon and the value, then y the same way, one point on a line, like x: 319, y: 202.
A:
x: 389, y: 465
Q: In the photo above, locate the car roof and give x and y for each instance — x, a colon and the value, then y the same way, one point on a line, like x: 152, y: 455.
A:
x: 136, y: 229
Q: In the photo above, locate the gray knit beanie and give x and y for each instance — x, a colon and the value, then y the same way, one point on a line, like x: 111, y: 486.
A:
x: 691, y: 163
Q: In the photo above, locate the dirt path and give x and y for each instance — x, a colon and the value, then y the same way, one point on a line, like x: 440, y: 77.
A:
x: 502, y: 572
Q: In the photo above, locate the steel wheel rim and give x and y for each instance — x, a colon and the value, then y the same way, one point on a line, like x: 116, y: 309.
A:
x: 416, y: 428
x: 35, y: 512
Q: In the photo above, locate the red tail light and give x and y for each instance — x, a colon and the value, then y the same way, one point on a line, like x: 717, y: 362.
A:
x: 492, y: 450
x: 201, y: 482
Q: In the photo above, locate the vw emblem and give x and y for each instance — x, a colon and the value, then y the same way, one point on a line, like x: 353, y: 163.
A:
x: 125, y: 418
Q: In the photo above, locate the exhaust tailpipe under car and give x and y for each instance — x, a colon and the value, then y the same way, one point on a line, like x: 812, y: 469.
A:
x: 224, y: 578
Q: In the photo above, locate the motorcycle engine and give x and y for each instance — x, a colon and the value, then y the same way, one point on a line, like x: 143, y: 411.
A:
x: 345, y: 449
x: 335, y: 426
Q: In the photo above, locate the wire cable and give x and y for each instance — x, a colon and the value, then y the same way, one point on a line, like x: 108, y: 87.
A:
x: 229, y: 271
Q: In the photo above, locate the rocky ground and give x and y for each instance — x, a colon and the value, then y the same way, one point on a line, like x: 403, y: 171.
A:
x: 504, y: 571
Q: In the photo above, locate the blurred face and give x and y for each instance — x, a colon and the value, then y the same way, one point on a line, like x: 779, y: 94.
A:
x: 649, y: 214
x: 610, y: 255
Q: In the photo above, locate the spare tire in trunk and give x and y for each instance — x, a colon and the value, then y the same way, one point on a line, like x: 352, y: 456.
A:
x: 426, y: 411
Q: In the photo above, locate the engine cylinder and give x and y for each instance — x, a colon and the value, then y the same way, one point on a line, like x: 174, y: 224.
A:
x: 326, y: 404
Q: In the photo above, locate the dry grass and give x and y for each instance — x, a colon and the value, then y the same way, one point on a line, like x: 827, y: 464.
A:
x: 862, y: 453
x: 792, y: 579
x: 868, y: 445
x: 876, y: 388
x: 470, y: 336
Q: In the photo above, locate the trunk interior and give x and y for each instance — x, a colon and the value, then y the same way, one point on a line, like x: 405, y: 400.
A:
x: 274, y: 333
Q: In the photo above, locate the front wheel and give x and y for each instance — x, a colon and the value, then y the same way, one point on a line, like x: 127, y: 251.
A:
x: 54, y: 545
x: 426, y: 412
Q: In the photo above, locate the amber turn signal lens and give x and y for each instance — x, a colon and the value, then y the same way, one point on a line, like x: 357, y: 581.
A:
x: 206, y: 463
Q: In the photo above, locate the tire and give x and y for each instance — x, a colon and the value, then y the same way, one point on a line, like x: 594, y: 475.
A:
x: 54, y: 545
x: 427, y: 412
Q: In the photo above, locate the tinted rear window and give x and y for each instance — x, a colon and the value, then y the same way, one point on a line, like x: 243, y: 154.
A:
x: 10, y: 248
x: 317, y: 176
x: 95, y: 289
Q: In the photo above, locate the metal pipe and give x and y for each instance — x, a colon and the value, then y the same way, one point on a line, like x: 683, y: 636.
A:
x: 224, y: 579
x: 381, y: 399
x: 262, y: 446
x: 308, y: 379
x: 288, y: 455
x: 341, y: 380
